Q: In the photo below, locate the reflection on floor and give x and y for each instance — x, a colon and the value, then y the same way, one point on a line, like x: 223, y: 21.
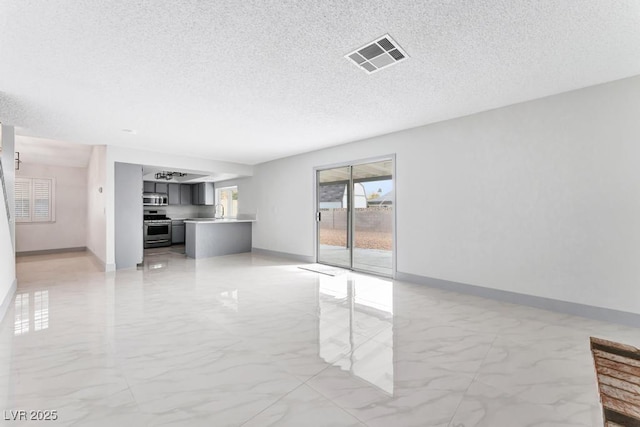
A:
x: 251, y: 340
x: 164, y: 250
x: 375, y: 261
x: 346, y: 308
x: 158, y: 258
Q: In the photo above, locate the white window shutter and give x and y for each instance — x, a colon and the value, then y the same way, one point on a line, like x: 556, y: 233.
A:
x: 35, y: 199
x: 41, y: 200
x: 23, y: 199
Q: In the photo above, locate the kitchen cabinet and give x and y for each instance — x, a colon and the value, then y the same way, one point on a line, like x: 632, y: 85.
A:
x: 149, y: 187
x: 202, y: 194
x: 195, y: 197
x: 206, y: 238
x: 185, y: 194
x: 162, y: 187
x: 174, y: 194
x: 155, y: 187
x: 177, y: 232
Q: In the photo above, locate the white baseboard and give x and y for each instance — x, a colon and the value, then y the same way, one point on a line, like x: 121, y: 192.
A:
x: 589, y: 311
x: 4, y: 307
x: 51, y: 251
x: 101, y: 264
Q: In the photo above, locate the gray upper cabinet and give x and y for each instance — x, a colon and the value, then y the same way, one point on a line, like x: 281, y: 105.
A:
x: 185, y: 194
x: 149, y: 187
x: 174, y: 194
x: 195, y: 195
x: 162, y: 187
x: 209, y: 197
x: 202, y: 194
x: 155, y: 187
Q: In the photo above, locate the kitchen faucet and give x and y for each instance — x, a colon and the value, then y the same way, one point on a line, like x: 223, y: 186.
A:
x: 215, y: 215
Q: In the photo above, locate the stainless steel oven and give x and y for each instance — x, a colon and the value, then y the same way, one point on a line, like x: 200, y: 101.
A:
x: 157, y: 229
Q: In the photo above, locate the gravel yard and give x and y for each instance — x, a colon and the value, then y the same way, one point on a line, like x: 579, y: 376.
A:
x: 363, y: 239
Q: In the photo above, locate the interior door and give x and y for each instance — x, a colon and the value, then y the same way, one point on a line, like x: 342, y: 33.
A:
x: 334, y: 216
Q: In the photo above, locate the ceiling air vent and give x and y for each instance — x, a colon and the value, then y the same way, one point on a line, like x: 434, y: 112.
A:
x: 377, y: 55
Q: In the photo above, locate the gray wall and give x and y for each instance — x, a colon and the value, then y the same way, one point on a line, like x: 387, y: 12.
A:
x: 539, y: 198
x: 128, y: 215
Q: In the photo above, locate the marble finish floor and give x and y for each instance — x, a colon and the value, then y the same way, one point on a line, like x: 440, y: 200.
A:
x: 374, y: 261
x: 248, y: 340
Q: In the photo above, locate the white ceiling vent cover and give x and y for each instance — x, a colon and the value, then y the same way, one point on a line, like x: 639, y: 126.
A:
x: 377, y: 55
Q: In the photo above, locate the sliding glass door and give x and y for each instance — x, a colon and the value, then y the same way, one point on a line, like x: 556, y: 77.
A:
x: 355, y: 216
x: 333, y: 216
x: 373, y: 215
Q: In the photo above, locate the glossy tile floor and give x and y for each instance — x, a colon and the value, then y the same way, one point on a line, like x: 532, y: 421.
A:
x: 255, y: 341
x: 374, y: 261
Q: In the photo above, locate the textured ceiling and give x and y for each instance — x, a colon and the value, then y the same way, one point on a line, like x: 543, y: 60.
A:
x: 249, y: 81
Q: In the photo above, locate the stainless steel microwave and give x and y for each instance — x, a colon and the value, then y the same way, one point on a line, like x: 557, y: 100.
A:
x: 155, y: 199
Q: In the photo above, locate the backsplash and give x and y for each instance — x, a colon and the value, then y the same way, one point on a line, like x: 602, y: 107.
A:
x: 188, y: 211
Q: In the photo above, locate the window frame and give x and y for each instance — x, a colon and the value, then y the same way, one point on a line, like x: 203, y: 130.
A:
x: 32, y: 181
x: 227, y: 207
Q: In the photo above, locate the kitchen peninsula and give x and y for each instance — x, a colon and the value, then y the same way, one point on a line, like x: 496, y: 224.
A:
x: 207, y: 237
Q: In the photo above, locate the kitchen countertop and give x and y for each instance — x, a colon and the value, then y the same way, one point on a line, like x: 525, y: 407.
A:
x: 214, y: 220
